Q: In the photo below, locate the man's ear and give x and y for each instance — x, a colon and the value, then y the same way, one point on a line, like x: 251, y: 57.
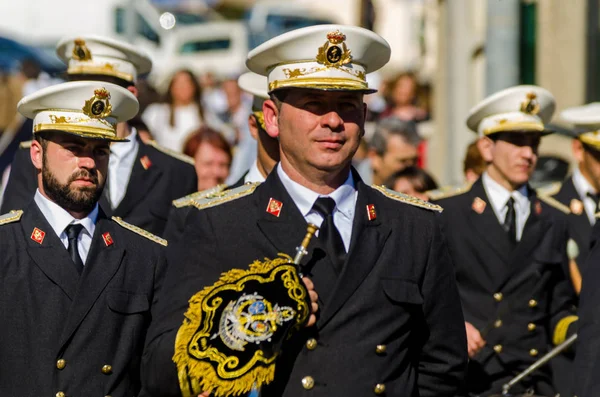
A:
x: 577, y: 148
x: 253, y: 126
x: 271, y: 115
x: 133, y: 89
x: 486, y: 148
x: 37, y: 153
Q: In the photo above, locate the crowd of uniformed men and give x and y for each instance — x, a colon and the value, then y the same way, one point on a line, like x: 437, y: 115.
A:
x: 408, y: 298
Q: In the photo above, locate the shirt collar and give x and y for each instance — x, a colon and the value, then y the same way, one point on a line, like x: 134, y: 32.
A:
x: 582, y: 185
x: 498, y: 194
x: 59, y: 218
x: 304, y: 198
x: 121, y: 149
x: 254, y: 174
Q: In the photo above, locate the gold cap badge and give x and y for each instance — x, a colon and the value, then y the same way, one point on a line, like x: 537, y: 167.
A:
x: 98, y: 107
x: 530, y: 105
x: 331, y: 54
x: 80, y: 50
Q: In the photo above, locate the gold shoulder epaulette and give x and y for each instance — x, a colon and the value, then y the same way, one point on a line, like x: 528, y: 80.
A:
x: 552, y: 202
x: 140, y: 231
x: 447, y: 191
x: 25, y: 145
x: 12, y: 216
x: 405, y: 198
x: 172, y: 153
x: 186, y: 200
x: 225, y: 196
x: 549, y: 190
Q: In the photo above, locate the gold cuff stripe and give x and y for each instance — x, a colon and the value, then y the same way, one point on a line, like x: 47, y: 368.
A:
x: 560, y: 332
x: 516, y: 126
x: 333, y: 83
x: 100, y: 70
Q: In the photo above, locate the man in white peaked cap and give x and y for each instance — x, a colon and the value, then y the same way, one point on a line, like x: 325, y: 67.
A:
x: 389, y: 320
x: 143, y: 178
x: 77, y: 287
x: 508, y: 249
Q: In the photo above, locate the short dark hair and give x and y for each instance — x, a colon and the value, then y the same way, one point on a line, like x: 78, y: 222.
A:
x: 418, y: 177
x: 389, y: 126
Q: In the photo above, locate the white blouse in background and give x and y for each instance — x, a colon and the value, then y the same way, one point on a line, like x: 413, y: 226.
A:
x: 187, y: 120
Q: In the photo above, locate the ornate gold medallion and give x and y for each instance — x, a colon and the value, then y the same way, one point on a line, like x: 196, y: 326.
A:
x: 530, y: 105
x: 80, y: 51
x: 331, y: 54
x: 98, y: 107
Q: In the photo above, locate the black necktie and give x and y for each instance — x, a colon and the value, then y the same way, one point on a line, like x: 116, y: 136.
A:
x: 596, y: 199
x: 510, y: 224
x: 72, y: 234
x: 329, y: 234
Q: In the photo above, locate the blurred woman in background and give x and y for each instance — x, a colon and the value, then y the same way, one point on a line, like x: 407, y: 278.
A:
x: 212, y: 156
x: 404, y: 100
x: 181, y: 114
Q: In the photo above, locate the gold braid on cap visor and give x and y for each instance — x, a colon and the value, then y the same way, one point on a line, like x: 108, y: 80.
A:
x: 591, y: 138
x: 515, y: 126
x: 324, y: 83
x: 260, y: 117
x: 107, y: 69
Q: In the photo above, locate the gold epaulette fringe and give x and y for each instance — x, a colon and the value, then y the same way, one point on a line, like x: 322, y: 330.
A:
x: 12, y: 216
x: 186, y: 200
x: 140, y: 231
x: 179, y: 156
x: 225, y: 196
x: 405, y: 198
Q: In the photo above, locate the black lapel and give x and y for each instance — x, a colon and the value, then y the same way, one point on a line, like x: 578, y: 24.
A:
x: 286, y: 231
x: 102, y: 263
x: 50, y: 255
x: 143, y: 178
x: 579, y: 224
x: 368, y: 239
x: 536, y: 227
x: 486, y: 224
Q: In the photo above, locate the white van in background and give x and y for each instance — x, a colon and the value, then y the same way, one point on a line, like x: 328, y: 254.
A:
x: 200, y: 41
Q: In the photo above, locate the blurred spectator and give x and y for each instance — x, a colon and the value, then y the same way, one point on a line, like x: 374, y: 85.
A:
x: 239, y: 107
x: 212, y: 156
x: 34, y: 78
x: 213, y: 97
x: 403, y: 97
x: 173, y: 121
x: 10, y: 94
x: 474, y: 164
x: 392, y: 148
x: 413, y: 181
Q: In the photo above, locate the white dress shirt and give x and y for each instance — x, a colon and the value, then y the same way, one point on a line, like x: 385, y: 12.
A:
x: 499, y: 195
x: 254, y: 174
x: 583, y: 187
x: 59, y: 219
x: 344, y: 196
x: 120, y: 164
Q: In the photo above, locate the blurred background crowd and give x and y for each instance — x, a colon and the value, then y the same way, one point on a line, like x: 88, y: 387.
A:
x: 446, y: 56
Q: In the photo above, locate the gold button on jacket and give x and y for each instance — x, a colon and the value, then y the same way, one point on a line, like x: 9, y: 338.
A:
x: 533, y: 352
x: 380, y: 349
x: 308, y: 382
x: 106, y: 369
x: 60, y: 364
x: 311, y: 344
x: 379, y: 388
x: 60, y: 394
x: 498, y: 348
x: 498, y: 296
x: 531, y: 327
x: 532, y: 303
